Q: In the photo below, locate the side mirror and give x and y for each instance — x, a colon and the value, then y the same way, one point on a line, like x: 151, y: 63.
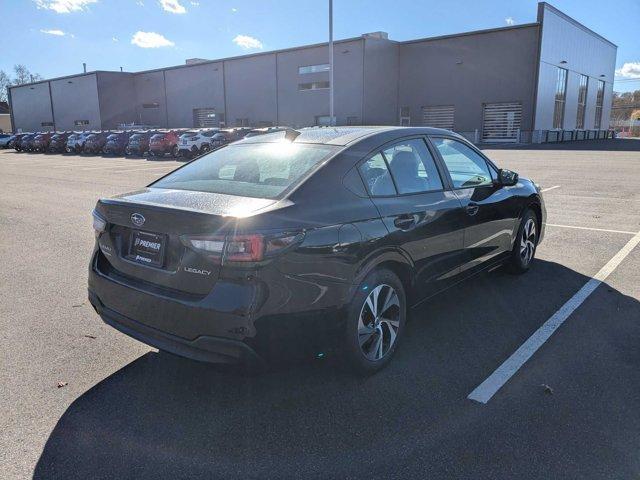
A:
x: 507, y: 178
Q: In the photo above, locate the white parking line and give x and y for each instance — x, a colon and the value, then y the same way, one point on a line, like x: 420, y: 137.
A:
x: 148, y: 168
x: 504, y: 372
x: 590, y: 228
x: 550, y: 188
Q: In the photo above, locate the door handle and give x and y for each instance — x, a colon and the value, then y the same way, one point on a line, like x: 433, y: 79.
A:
x: 472, y: 209
x: 405, y: 222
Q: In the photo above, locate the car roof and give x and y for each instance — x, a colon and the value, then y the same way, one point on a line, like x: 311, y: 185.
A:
x: 341, y: 136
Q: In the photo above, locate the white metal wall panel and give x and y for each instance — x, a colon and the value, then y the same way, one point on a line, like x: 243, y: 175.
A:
x: 501, y: 122
x: 567, y: 44
x: 441, y: 116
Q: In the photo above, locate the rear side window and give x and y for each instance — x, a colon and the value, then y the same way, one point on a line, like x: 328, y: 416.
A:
x: 413, y: 167
x: 261, y: 170
x: 467, y: 168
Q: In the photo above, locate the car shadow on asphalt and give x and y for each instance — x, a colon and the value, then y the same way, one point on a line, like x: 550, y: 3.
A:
x: 162, y: 416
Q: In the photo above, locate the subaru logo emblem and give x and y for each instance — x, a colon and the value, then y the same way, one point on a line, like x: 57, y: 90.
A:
x: 137, y: 219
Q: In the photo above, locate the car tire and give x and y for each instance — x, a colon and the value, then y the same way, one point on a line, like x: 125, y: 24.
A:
x: 371, y: 337
x: 524, y: 247
x: 205, y: 148
x: 174, y: 152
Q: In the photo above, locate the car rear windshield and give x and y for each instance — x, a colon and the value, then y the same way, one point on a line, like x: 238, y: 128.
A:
x: 263, y: 170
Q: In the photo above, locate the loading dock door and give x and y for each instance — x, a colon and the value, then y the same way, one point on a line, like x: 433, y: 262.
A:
x: 440, y: 116
x: 501, y: 122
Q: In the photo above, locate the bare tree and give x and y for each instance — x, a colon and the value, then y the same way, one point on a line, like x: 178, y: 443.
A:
x: 22, y: 75
x: 5, y: 81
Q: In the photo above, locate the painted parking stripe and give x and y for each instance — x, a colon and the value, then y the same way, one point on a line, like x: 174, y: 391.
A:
x: 165, y: 167
x: 504, y: 372
x: 590, y: 228
x: 550, y: 188
x: 109, y: 166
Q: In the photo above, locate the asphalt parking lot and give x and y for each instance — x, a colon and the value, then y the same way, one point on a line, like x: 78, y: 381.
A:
x: 571, y: 409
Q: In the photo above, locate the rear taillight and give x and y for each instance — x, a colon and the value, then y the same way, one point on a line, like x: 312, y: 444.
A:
x: 99, y: 224
x: 245, y: 248
x: 242, y: 248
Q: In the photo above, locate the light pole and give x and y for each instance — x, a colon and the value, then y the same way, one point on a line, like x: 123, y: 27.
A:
x: 331, y: 117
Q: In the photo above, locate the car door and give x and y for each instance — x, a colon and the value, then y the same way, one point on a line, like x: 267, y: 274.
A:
x: 491, y: 210
x: 422, y: 216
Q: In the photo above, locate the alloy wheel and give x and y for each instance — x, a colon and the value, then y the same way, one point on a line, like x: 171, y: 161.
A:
x: 528, y: 241
x: 379, y: 322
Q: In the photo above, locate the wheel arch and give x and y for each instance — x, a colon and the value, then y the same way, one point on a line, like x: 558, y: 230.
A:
x: 394, y: 260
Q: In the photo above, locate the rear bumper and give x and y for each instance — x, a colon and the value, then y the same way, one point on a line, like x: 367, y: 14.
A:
x: 273, y: 317
x: 203, y: 348
x: 163, y: 149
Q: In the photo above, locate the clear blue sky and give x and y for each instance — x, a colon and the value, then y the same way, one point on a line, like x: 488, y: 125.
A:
x: 100, y: 32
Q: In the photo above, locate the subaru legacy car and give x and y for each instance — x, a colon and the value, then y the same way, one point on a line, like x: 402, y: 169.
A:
x: 311, y: 240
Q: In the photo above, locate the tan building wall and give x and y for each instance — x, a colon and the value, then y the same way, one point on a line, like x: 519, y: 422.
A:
x: 5, y: 122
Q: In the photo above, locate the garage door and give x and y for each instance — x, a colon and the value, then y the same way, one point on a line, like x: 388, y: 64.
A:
x: 501, y: 122
x: 438, y: 117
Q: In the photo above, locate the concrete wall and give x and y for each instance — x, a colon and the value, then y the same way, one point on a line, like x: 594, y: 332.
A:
x: 251, y: 85
x: 300, y: 108
x: 150, y: 89
x: 381, y: 61
x: 31, y: 105
x: 76, y: 99
x: 469, y: 70
x: 197, y: 86
x: 565, y: 40
x: 117, y: 99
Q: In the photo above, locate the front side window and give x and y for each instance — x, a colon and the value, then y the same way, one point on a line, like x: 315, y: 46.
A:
x: 413, y: 167
x: 582, y: 101
x: 467, y: 168
x: 561, y: 95
x: 262, y: 170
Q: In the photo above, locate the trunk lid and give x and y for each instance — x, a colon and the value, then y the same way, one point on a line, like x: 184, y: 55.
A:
x: 143, y: 241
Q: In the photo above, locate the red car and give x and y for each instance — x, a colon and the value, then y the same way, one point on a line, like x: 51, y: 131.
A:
x: 164, y: 142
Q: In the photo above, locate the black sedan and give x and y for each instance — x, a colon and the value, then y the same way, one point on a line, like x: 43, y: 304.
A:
x: 307, y: 241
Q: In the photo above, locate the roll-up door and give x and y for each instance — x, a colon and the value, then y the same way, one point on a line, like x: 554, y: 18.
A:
x: 501, y: 122
x: 438, y: 116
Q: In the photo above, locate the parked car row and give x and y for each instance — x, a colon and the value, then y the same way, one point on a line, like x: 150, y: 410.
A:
x: 155, y: 143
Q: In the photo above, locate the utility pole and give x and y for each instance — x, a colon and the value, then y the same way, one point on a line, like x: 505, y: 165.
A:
x: 331, y: 114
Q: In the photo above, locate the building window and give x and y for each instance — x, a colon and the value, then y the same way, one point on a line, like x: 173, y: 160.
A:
x: 582, y: 101
x: 353, y: 121
x: 242, y: 122
x: 81, y: 123
x: 313, y: 85
x: 599, y: 101
x: 151, y: 105
x: 324, y: 67
x: 561, y: 96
